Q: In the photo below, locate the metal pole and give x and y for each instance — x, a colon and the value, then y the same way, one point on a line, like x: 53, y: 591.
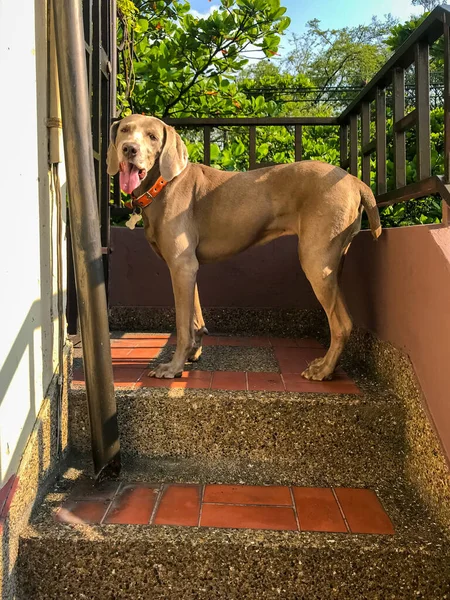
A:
x: 85, y: 233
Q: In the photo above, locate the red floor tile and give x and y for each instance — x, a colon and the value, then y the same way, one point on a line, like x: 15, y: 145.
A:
x: 294, y: 382
x: 317, y: 510
x: 82, y: 511
x: 123, y: 343
x: 199, y: 380
x: 179, y: 505
x: 144, y: 353
x: 229, y: 380
x: 268, y: 382
x: 127, y: 375
x: 87, y: 503
x: 251, y: 342
x: 120, y: 352
x: 153, y: 342
x: 133, y: 505
x: 210, y: 340
x: 363, y: 511
x: 248, y: 517
x: 248, y: 494
x: 283, y: 342
x: 308, y: 343
x: 295, y: 360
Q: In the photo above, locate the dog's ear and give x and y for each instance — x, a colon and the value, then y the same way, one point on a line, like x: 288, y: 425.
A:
x: 174, y: 155
x: 112, y: 160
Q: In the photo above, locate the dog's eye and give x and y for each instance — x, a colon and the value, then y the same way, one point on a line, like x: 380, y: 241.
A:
x: 125, y: 129
x: 152, y: 137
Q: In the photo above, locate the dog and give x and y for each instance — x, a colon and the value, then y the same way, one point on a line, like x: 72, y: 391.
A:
x: 195, y: 214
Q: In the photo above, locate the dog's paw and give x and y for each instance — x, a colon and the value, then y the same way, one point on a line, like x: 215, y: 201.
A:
x: 165, y: 371
x: 318, y: 370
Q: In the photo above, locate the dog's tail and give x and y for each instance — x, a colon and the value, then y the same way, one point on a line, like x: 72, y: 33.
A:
x: 371, y: 208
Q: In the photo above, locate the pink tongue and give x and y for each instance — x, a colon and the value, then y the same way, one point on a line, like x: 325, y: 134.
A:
x: 129, y: 177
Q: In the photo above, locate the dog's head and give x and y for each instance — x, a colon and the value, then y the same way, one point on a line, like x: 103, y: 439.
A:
x: 137, y: 143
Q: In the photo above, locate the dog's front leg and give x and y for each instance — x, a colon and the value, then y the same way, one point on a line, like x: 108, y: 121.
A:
x: 183, y: 272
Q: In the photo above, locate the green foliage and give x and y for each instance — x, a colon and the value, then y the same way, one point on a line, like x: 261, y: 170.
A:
x: 181, y: 65
x: 340, y: 57
x: 175, y: 64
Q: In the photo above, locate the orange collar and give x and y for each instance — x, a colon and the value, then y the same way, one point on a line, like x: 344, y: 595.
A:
x: 147, y: 198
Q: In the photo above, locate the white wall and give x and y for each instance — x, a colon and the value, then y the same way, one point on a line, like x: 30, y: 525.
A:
x: 28, y: 233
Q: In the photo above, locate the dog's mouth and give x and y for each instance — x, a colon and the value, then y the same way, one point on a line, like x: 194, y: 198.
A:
x: 130, y: 176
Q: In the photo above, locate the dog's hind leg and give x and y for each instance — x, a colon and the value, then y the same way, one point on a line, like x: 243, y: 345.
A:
x: 322, y: 267
x: 199, y: 328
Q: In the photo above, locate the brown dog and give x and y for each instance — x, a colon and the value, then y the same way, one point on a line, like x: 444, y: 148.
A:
x: 203, y: 215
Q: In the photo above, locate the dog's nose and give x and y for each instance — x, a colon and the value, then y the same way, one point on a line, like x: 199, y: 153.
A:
x: 130, y: 150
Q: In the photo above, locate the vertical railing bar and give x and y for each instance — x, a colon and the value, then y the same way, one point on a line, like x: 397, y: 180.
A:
x: 252, y: 147
x: 423, y: 151
x: 298, y: 143
x: 343, y: 144
x: 398, y: 92
x: 207, y: 145
x: 354, y: 144
x: 380, y: 138
x: 365, y: 139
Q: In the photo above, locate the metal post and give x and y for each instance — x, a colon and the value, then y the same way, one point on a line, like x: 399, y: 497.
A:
x: 85, y: 234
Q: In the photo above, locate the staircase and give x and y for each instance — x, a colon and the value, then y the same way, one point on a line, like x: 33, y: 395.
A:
x: 240, y: 480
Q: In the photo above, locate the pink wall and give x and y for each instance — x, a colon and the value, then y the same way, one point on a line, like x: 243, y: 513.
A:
x: 398, y: 287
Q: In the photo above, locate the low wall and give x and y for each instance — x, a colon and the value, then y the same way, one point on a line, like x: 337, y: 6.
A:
x: 398, y: 288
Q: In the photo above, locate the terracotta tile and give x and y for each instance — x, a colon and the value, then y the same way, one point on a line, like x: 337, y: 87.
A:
x: 295, y: 360
x: 144, y: 353
x: 133, y: 505
x: 142, y: 335
x: 294, y: 382
x: 126, y: 375
x: 78, y: 376
x: 152, y: 342
x: 152, y: 382
x: 317, y: 510
x: 248, y: 494
x: 179, y: 505
x: 229, y: 380
x: 82, y: 511
x: 308, y: 343
x: 210, y: 340
x: 120, y: 352
x: 269, y: 382
x: 199, y: 380
x: 248, y: 517
x: 283, y: 342
x: 363, y: 511
x: 123, y: 343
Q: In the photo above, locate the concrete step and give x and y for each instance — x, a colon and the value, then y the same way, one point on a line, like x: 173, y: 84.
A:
x: 115, y: 561
x: 315, y: 437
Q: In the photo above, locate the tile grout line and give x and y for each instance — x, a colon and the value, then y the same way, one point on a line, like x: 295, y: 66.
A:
x: 157, y: 503
x: 115, y: 495
x: 202, y: 495
x: 341, y: 510
x: 294, y: 506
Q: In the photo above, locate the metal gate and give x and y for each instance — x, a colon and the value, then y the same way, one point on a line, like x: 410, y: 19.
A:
x: 99, y: 18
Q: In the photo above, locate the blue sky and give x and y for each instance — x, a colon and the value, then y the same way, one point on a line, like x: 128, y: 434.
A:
x: 332, y: 13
